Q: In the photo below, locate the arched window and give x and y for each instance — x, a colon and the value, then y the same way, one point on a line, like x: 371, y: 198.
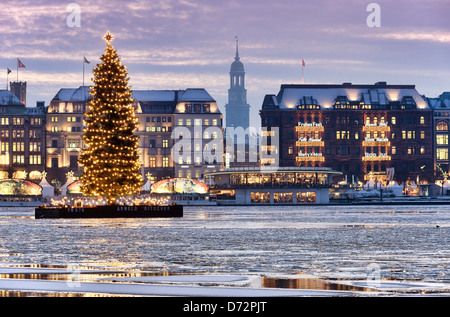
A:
x: 422, y: 120
x: 394, y: 120
x: 442, y: 126
x: 382, y: 120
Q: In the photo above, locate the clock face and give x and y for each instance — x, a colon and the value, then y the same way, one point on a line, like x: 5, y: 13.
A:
x: 233, y: 96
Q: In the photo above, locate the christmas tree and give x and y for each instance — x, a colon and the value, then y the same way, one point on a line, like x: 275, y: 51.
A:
x: 110, y: 161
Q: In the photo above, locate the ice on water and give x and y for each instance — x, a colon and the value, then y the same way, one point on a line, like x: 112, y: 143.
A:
x: 385, y: 248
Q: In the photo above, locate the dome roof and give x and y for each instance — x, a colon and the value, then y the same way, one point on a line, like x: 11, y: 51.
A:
x: 237, y: 66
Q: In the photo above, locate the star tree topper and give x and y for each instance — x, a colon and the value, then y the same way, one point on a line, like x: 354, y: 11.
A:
x: 108, y: 38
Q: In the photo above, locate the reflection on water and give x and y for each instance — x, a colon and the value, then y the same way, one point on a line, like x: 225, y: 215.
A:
x: 311, y: 284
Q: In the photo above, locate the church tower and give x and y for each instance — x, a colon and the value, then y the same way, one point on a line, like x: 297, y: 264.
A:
x: 237, y: 110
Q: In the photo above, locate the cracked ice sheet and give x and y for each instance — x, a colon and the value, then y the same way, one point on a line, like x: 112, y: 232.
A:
x: 160, y: 290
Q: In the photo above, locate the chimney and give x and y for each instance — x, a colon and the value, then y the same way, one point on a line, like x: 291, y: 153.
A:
x: 19, y: 89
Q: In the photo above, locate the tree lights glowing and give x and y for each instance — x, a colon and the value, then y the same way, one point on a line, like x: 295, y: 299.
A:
x: 111, y: 164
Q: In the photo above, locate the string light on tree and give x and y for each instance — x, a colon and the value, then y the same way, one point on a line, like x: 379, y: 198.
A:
x: 111, y: 164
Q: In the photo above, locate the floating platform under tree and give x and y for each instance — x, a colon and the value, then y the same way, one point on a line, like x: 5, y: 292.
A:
x: 110, y: 211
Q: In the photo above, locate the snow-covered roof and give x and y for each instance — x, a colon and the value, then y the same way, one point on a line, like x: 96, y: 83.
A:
x: 7, y: 98
x: 154, y: 95
x: 440, y: 103
x: 195, y: 94
x: 73, y: 94
x: 326, y: 95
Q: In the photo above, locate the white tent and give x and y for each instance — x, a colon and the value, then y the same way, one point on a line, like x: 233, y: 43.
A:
x: 47, y: 189
x: 147, y: 186
x: 369, y: 185
x: 64, y: 187
x: 395, y: 188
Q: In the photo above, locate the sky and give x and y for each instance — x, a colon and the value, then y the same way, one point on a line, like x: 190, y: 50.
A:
x: 179, y: 44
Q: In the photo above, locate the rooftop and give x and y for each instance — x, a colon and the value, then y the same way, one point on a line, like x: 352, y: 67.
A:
x: 327, y: 96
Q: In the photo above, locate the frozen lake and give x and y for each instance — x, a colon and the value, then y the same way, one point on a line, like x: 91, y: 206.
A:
x: 392, y: 247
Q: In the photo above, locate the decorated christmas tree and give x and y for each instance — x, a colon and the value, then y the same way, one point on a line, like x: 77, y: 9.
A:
x: 111, y: 163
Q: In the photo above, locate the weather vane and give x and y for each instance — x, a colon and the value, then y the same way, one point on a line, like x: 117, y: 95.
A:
x: 108, y: 38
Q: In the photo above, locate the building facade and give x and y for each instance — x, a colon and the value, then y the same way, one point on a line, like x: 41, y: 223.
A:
x: 366, y: 132
x: 159, y: 112
x: 441, y: 131
x: 22, y: 136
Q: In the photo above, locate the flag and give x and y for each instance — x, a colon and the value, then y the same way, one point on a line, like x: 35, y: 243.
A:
x: 86, y: 61
x: 8, y: 71
x: 303, y: 63
x: 20, y: 64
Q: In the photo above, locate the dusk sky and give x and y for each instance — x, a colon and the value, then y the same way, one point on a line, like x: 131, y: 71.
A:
x: 179, y: 44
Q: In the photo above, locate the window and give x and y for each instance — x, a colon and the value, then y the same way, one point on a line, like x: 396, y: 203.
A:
x: 35, y: 146
x: 442, y: 126
x: 422, y: 120
x: 394, y: 120
x: 18, y: 147
x: 54, y: 119
x: 422, y: 150
x: 442, y: 154
x: 4, y: 147
x: 394, y: 150
x: 5, y: 121
x: 180, y: 121
x: 73, y: 143
x: 36, y: 121
x: 165, y: 143
x: 152, y: 162
x: 290, y: 150
x: 214, y: 122
x: 356, y: 135
x: 165, y: 162
x: 180, y: 173
x: 188, y: 122
x: 18, y: 159
x: 198, y: 122
x: 17, y: 121
x: 55, y: 129
x: 422, y: 135
x: 54, y: 162
x: 73, y: 162
x: 442, y: 139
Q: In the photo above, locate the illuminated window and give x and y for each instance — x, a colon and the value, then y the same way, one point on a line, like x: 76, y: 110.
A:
x: 5, y: 121
x: 152, y: 162
x: 54, y: 119
x: 165, y: 162
x: 422, y: 134
x: 422, y: 120
x: 394, y: 150
x: 422, y: 150
x: 188, y: 122
x: 214, y: 121
x: 442, y: 154
x: 442, y: 139
x: 180, y: 173
x: 35, y: 160
x: 180, y: 121
x: 165, y: 143
x: 442, y: 126
x: 198, y: 122
x: 394, y: 120
x: 382, y: 120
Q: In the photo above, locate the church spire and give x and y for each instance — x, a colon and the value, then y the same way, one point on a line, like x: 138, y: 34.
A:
x: 237, y: 49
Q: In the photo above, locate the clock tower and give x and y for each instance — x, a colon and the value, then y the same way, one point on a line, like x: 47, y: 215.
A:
x: 237, y: 109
